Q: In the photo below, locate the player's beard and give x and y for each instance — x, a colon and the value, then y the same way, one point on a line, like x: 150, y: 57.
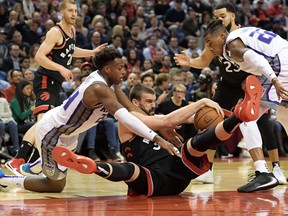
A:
x: 228, y: 27
x: 148, y: 112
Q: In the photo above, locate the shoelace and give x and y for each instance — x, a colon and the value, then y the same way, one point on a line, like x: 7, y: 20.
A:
x: 251, y: 177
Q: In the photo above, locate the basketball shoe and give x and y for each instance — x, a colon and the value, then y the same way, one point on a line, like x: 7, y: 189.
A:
x: 67, y: 158
x: 206, y: 178
x: 278, y: 173
x: 14, y: 165
x: 25, y: 169
x: 3, y: 187
x: 259, y: 181
x: 249, y: 109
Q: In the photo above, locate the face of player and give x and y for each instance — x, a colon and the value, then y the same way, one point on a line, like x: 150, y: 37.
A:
x: 147, y: 103
x: 115, y: 71
x: 215, y: 42
x: 227, y: 17
x: 69, y: 14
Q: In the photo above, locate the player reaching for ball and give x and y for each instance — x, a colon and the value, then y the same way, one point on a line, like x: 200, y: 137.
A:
x: 150, y: 170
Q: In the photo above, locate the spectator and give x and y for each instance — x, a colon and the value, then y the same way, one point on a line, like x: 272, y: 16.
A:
x: 25, y: 63
x: 28, y: 8
x: 17, y: 38
x: 22, y: 106
x: 28, y: 75
x: 7, y: 123
x: 12, y: 61
x: 86, y: 68
x: 148, y: 79
x: 14, y: 77
x: 3, y: 53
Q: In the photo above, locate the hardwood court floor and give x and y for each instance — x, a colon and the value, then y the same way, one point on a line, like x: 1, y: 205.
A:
x: 91, y: 195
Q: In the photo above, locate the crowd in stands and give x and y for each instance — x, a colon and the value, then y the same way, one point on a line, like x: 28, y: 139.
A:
x: 147, y: 32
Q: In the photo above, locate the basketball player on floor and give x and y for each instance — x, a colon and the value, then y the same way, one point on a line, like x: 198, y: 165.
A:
x: 54, y: 57
x: 228, y: 92
x: 85, y: 108
x: 151, y: 170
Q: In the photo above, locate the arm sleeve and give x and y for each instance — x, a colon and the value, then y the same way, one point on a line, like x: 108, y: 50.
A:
x: 260, y: 63
x: 134, y: 124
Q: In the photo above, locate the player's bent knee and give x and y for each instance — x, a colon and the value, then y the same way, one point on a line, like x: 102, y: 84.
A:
x: 56, y: 186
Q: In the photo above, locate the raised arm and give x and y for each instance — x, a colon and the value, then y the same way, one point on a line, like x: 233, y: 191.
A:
x: 178, y: 116
x: 200, y: 62
x: 100, y: 93
x: 247, y: 58
x: 82, y: 53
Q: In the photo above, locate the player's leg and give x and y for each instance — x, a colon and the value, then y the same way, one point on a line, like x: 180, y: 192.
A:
x: 269, y: 140
x: 55, y: 175
x: 24, y: 152
x: 282, y: 115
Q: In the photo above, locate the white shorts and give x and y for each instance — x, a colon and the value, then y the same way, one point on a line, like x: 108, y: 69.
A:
x: 47, y: 137
x: 280, y: 67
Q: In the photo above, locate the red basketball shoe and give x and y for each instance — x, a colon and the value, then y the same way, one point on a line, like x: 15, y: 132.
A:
x: 65, y: 157
x: 14, y: 165
x: 249, y: 108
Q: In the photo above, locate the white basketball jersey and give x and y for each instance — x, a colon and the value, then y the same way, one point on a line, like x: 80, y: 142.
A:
x: 73, y: 117
x: 263, y: 42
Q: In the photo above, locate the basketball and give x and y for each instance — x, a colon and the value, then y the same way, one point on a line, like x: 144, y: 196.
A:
x: 206, y: 117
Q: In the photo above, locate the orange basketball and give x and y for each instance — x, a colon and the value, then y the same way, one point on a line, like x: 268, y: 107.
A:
x: 206, y: 117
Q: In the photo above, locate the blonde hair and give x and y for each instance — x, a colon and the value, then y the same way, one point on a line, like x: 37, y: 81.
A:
x: 96, y: 19
x: 116, y: 30
x: 64, y: 3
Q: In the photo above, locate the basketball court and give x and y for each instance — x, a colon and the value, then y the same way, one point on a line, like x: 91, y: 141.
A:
x: 92, y: 195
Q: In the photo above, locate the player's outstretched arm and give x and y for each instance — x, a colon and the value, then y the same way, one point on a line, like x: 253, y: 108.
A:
x: 178, y: 116
x: 200, y: 62
x: 81, y: 53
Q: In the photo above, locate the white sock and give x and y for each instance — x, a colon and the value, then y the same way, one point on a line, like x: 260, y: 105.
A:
x: 12, y: 181
x: 261, y: 166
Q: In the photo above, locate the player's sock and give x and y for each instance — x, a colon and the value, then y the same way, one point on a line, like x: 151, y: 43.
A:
x: 276, y: 163
x: 12, y: 181
x: 261, y: 166
x: 231, y: 123
x: 115, y: 172
x: 25, y: 148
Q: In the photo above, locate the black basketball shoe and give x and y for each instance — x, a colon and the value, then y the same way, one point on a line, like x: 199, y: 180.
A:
x: 259, y: 181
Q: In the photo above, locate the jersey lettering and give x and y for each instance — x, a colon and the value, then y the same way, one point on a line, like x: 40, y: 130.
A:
x: 229, y: 66
x: 156, y: 146
x: 263, y: 35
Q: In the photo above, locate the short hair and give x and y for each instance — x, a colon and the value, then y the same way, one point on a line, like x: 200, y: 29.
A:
x: 162, y: 77
x: 179, y: 86
x: 64, y: 3
x: 108, y: 54
x: 138, y: 89
x: 229, y: 7
x: 144, y: 75
x: 214, y: 26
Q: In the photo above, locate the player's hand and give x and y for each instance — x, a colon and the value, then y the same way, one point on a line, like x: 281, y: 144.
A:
x: 182, y: 59
x: 100, y: 47
x: 172, y: 136
x: 67, y: 74
x: 214, y: 105
x: 172, y: 150
x: 280, y: 90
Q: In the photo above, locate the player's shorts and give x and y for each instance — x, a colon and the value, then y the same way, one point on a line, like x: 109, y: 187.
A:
x: 280, y: 67
x: 47, y: 93
x: 226, y: 96
x: 46, y: 138
x: 171, y: 178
